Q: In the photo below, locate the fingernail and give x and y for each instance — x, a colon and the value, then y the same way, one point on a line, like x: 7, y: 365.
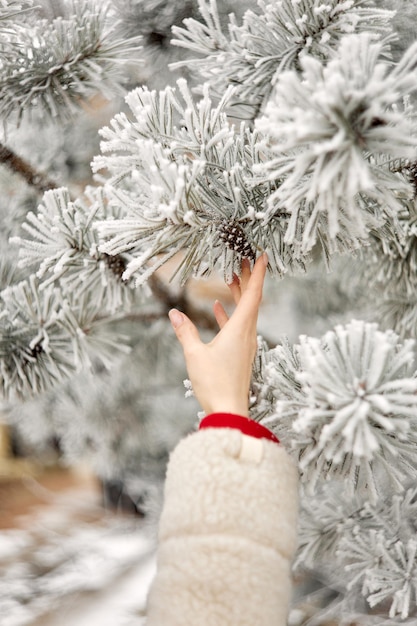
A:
x: 265, y: 258
x: 175, y: 317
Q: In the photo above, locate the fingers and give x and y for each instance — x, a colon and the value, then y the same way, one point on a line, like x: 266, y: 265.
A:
x: 245, y: 274
x: 247, y: 309
x: 256, y: 279
x: 239, y: 285
x: 220, y: 314
x: 187, y: 333
x: 235, y: 289
x: 247, y: 294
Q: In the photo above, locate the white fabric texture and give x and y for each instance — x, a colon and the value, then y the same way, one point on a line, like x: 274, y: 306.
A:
x: 227, y: 533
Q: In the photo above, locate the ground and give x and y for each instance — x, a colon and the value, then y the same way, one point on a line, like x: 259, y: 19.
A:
x: 64, y: 561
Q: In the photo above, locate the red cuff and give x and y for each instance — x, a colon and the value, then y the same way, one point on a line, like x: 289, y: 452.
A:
x: 244, y: 424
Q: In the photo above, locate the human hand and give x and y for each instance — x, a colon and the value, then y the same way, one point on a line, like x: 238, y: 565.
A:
x: 220, y: 371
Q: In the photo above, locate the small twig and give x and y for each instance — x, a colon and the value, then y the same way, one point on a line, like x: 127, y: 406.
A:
x: 145, y: 318
x: 201, y: 317
x: 16, y: 164
x: 181, y: 302
x: 165, y: 295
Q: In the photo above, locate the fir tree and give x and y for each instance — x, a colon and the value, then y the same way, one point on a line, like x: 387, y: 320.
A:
x: 292, y: 130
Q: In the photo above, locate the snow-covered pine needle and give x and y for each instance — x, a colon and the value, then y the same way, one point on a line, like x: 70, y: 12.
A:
x: 183, y: 177
x: 251, y: 56
x: 362, y: 549
x: 335, y: 129
x: 348, y: 405
x: 57, y: 65
x: 62, y: 245
x: 35, y: 352
x: 45, y: 337
x: 389, y: 271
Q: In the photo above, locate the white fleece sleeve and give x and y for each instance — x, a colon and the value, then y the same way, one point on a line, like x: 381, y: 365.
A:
x: 227, y: 533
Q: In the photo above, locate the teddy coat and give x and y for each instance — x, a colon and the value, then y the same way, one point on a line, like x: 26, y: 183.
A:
x: 228, y: 529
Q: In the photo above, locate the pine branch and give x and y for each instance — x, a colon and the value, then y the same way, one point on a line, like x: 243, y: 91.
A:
x: 359, y: 549
x: 62, y: 245
x: 346, y: 404
x: 333, y: 154
x: 188, y: 187
x: 57, y: 65
x: 38, y: 180
x: 47, y: 335
x: 250, y: 56
x: 35, y: 351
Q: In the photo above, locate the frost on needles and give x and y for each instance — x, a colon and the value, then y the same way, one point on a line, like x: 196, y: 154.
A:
x: 251, y: 56
x: 54, y: 66
x: 46, y: 335
x: 320, y: 167
x: 58, y: 320
x: 346, y: 404
x: 184, y: 178
x: 390, y: 269
x: 336, y: 130
x: 355, y: 550
x: 63, y: 247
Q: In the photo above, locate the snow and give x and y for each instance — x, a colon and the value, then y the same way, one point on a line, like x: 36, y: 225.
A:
x: 72, y: 564
x: 121, y: 605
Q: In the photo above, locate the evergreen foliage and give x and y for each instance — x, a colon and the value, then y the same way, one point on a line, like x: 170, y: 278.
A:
x: 294, y: 133
x: 188, y: 186
x: 346, y: 404
x: 337, y: 129
x: 362, y: 550
x: 55, y: 65
x: 63, y: 247
x: 251, y: 56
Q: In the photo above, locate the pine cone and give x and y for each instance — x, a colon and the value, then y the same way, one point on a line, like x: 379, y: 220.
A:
x: 115, y: 263
x: 235, y: 239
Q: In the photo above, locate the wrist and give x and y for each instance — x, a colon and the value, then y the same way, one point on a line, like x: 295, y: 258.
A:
x: 233, y: 408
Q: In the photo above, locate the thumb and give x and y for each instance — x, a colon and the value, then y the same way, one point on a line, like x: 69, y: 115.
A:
x: 186, y: 332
